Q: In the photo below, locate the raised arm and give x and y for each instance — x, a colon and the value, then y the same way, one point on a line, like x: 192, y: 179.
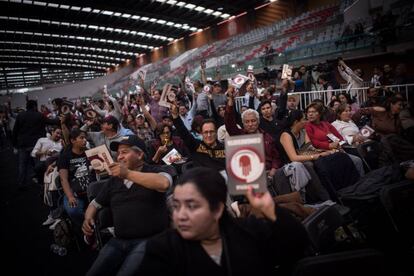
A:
x: 182, y: 131
x: 98, y: 110
x: 117, y: 107
x: 230, y: 116
x: 213, y: 108
x: 151, y: 120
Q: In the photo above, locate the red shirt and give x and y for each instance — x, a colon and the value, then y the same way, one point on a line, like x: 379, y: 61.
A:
x: 317, y: 134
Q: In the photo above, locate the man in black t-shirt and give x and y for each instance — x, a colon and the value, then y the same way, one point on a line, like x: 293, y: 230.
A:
x: 75, y: 176
x: 135, y: 195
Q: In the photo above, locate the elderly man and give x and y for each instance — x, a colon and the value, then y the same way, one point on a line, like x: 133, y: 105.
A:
x: 136, y: 195
x: 251, y: 121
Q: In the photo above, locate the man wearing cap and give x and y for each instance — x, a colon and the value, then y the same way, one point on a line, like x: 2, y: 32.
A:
x: 136, y: 195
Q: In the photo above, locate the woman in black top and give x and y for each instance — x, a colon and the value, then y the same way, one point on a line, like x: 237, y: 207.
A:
x: 293, y: 138
x: 207, y: 241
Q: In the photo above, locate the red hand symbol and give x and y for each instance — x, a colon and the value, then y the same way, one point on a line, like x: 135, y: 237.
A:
x: 244, y: 163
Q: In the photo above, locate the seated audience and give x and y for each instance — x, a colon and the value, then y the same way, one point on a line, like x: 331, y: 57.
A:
x: 324, y: 136
x: 291, y: 141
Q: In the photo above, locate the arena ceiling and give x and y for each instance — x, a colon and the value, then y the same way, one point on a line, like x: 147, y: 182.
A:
x: 59, y: 41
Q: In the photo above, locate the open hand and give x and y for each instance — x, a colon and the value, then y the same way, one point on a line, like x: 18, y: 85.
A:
x: 87, y: 226
x: 72, y: 202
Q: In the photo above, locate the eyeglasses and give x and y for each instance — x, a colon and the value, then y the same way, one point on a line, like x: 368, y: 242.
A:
x: 210, y: 132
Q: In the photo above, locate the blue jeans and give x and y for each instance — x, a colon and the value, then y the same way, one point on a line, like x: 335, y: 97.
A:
x: 119, y: 257
x: 76, y: 214
x: 25, y: 166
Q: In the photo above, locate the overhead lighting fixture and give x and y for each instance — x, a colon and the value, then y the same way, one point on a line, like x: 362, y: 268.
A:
x: 118, y: 14
x: 190, y: 6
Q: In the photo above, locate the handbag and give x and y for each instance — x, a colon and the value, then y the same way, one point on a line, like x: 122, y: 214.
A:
x: 308, y: 149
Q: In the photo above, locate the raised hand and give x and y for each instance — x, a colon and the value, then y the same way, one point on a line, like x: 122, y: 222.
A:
x: 262, y: 202
x: 119, y: 170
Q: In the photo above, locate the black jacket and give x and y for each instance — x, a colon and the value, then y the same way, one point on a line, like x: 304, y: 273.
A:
x: 250, y: 247
x: 29, y: 127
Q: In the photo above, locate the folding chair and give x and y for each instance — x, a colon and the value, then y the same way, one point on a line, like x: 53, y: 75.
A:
x: 356, y: 263
x: 369, y: 153
x: 398, y: 201
x: 103, y: 219
x: 322, y: 227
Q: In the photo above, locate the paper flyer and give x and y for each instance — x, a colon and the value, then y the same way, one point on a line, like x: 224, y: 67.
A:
x: 366, y: 131
x: 172, y: 157
x: 100, y: 159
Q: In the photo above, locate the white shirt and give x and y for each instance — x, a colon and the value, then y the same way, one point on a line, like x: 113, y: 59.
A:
x: 346, y: 129
x: 46, y: 144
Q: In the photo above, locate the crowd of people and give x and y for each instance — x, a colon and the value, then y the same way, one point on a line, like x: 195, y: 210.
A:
x: 176, y: 216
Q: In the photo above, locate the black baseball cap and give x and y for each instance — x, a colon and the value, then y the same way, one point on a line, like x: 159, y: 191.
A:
x: 217, y: 83
x: 130, y: 140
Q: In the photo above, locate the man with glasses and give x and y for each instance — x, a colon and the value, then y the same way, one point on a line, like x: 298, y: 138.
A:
x: 207, y: 153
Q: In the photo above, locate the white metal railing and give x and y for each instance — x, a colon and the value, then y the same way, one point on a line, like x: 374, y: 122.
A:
x: 361, y: 95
